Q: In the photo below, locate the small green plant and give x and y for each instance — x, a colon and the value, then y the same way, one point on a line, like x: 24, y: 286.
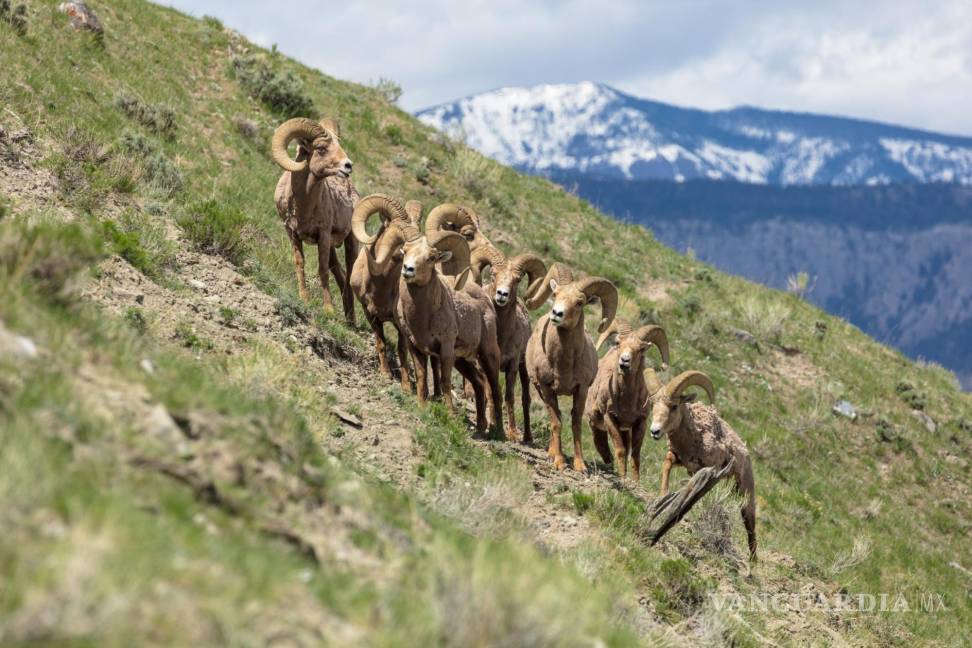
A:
x: 215, y: 228
x: 186, y: 335
x: 135, y: 317
x: 159, y: 118
x: 965, y: 425
x: 292, y: 310
x: 478, y: 174
x: 228, y: 315
x: 163, y: 176
x: 280, y: 91
x: 400, y: 161
x: 16, y: 17
x: 422, y: 172
x: 388, y: 90
x: 582, y: 501
x: 135, y: 143
x: 799, y: 284
x: 4, y: 207
x: 248, y: 128
x: 394, y: 134
x: 678, y: 589
x: 910, y: 395
x: 48, y: 255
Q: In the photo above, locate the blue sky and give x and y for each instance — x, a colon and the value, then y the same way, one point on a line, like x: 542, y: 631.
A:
x: 901, y: 62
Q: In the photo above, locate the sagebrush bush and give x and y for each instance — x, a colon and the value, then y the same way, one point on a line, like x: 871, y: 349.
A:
x: 47, y: 254
x: 159, y: 118
x: 281, y: 91
x: 215, y: 229
x: 388, y: 89
x: 478, y: 174
x: 163, y: 176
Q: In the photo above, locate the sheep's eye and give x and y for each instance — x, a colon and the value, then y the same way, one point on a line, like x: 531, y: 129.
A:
x: 672, y: 408
x: 321, y: 149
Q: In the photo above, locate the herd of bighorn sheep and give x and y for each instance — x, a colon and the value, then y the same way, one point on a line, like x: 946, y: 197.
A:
x: 430, y: 283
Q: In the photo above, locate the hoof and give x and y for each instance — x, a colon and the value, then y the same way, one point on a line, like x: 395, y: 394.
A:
x: 560, y: 462
x: 580, y: 466
x: 512, y: 434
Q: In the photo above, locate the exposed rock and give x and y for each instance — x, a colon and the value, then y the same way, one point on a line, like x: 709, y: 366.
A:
x: 925, y: 420
x: 745, y: 336
x: 347, y: 417
x: 846, y: 409
x: 82, y: 17
x: 16, y: 346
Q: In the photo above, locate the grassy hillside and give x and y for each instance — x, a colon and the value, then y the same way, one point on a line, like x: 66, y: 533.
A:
x: 171, y: 471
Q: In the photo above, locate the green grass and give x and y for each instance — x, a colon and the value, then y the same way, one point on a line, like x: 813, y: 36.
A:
x: 823, y: 482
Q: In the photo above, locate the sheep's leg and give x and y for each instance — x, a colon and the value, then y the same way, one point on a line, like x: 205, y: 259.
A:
x: 446, y: 360
x: 525, y: 402
x: 509, y: 400
x: 474, y: 378
x: 437, y: 379
x: 745, y: 486
x: 347, y: 297
x: 350, y: 255
x: 600, y: 437
x: 553, y: 413
x: 401, y: 347
x: 421, y: 373
x: 323, y: 262
x: 298, y: 246
x: 490, y: 361
x: 620, y: 447
x: 381, y: 346
x: 637, y: 438
x: 576, y: 417
x: 670, y: 461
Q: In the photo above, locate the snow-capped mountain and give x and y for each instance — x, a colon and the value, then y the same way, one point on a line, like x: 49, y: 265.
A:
x: 592, y: 129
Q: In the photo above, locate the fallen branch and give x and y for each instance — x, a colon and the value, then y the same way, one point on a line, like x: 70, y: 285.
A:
x: 672, y: 507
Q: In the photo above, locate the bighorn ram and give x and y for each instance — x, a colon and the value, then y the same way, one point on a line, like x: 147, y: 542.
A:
x: 315, y: 198
x: 446, y: 323
x: 456, y: 218
x: 615, y: 402
x: 378, y: 268
x: 698, y: 438
x: 512, y: 322
x: 560, y: 355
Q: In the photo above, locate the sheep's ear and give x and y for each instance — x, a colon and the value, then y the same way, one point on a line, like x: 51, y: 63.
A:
x: 592, y: 300
x: 461, y: 279
x: 445, y: 256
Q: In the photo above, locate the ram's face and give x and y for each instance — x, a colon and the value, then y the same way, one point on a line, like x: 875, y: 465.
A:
x: 419, y: 259
x: 567, y: 305
x: 667, y: 413
x: 326, y: 157
x: 631, y: 352
x: 505, y: 285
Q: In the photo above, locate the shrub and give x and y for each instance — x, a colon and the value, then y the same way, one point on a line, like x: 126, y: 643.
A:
x: 16, y: 17
x: 248, y: 128
x: 476, y: 173
x: 215, y: 229
x: 186, y: 335
x: 292, y: 310
x: 159, y: 118
x: 915, y: 399
x: 394, y: 134
x: 678, y: 588
x: 163, y: 176
x: 422, y: 172
x: 134, y: 143
x: 281, y: 91
x: 4, y: 207
x: 388, y: 90
x: 135, y: 318
x: 47, y: 255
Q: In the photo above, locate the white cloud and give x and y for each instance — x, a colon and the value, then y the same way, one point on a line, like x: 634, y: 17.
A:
x: 908, y: 63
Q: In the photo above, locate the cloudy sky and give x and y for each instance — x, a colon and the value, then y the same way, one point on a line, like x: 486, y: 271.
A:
x: 900, y: 62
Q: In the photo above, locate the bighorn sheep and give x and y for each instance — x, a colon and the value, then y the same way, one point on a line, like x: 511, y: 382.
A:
x: 378, y: 268
x: 698, y: 437
x: 512, y: 322
x: 456, y: 218
x: 615, y: 402
x: 446, y: 323
x: 560, y: 355
x: 315, y: 198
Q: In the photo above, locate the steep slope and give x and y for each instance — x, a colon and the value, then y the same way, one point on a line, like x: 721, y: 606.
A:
x: 175, y: 470
x: 598, y: 131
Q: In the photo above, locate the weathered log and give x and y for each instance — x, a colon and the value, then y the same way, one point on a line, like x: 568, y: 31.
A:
x: 671, y: 508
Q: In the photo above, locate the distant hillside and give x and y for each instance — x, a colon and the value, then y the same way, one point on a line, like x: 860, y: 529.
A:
x: 191, y: 455
x: 598, y: 131
x: 894, y: 259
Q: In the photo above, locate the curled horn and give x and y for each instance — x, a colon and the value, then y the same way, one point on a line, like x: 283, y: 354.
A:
x: 619, y: 326
x: 558, y: 271
x: 292, y: 128
x: 532, y: 266
x: 455, y: 243
x: 414, y: 210
x: 604, y: 290
x: 331, y: 125
x: 653, y: 382
x: 387, y: 208
x: 653, y: 334
x: 687, y: 379
x: 485, y: 256
x: 456, y: 216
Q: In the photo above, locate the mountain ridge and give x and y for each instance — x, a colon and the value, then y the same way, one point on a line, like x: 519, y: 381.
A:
x: 601, y: 131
